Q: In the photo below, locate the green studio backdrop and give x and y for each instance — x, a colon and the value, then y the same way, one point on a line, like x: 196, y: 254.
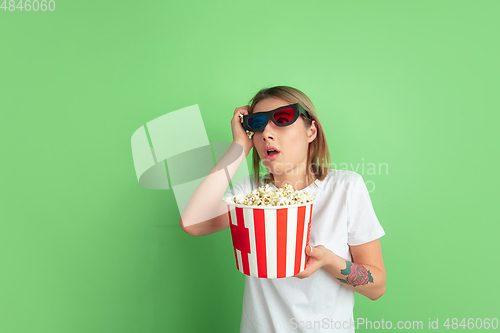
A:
x: 408, y: 86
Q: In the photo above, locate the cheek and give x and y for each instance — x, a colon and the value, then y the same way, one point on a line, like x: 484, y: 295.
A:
x: 296, y: 140
x: 298, y: 145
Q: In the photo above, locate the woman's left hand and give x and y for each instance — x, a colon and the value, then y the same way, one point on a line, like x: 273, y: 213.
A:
x: 318, y: 257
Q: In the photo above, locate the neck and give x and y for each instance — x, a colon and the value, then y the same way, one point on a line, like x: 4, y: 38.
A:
x: 295, y: 176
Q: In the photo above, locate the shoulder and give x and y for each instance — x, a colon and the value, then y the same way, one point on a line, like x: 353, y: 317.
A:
x: 343, y: 176
x: 246, y: 183
x: 345, y: 181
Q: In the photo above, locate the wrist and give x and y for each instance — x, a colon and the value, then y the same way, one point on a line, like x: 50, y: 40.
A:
x: 245, y: 147
x: 334, y: 262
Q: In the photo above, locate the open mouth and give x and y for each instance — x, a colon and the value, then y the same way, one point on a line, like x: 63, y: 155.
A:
x: 272, y: 152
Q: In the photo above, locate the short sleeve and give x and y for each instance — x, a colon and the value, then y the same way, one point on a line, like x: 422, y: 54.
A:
x: 362, y: 223
x: 238, y: 188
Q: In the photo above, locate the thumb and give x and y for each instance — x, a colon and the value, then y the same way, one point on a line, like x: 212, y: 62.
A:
x: 311, y: 250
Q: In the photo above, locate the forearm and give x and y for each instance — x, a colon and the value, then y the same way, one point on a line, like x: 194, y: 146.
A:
x: 206, y: 202
x: 367, y: 280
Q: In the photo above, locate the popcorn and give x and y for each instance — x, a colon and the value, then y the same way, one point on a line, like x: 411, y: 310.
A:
x: 249, y: 134
x: 266, y: 196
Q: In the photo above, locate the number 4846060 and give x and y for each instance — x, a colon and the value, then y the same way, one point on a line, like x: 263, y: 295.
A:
x: 472, y: 323
x: 29, y: 5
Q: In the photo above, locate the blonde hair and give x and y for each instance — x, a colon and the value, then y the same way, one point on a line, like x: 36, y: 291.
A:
x: 318, y: 155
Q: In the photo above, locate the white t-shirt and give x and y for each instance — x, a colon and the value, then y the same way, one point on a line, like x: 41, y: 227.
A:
x: 343, y: 215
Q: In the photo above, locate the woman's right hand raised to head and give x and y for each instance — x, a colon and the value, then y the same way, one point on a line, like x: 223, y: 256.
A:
x: 239, y: 134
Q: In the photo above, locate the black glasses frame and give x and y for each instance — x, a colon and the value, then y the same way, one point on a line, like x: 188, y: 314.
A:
x: 270, y: 116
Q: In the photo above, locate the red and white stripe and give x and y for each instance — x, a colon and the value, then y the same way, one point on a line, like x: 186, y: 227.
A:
x: 270, y: 243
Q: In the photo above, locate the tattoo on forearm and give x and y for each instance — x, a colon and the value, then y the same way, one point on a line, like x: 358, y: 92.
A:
x: 357, y: 275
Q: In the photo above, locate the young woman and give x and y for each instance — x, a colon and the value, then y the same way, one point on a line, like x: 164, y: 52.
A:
x: 344, y: 252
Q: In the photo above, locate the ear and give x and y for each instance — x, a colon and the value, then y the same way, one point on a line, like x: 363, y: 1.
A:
x: 312, y: 132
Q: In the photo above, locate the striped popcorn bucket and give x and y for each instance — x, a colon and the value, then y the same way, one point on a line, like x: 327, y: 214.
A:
x: 270, y: 241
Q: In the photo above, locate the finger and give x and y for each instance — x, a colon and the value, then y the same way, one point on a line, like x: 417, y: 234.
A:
x: 237, y: 114
x: 304, y: 272
x: 241, y: 109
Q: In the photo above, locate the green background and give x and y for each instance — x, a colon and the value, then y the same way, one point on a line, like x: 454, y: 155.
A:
x: 84, y: 248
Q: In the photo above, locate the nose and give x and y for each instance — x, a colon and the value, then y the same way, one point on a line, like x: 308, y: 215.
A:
x: 268, y: 133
